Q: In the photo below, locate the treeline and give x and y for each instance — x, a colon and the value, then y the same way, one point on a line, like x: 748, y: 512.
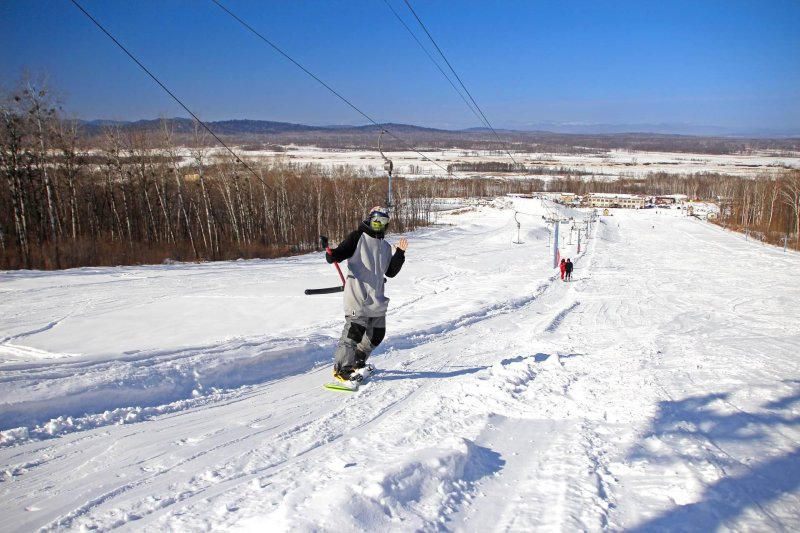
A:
x: 484, y: 167
x: 767, y: 207
x: 133, y: 196
x: 136, y: 197
x: 487, y: 166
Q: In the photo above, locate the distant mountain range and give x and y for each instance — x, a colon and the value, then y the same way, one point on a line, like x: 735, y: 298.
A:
x: 265, y: 134
x: 665, y: 129
x: 266, y: 127
x: 245, y: 127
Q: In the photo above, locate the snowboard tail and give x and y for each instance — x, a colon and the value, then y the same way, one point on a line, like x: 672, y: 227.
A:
x: 341, y: 386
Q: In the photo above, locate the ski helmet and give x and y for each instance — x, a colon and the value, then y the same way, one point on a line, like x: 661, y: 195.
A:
x: 378, y: 218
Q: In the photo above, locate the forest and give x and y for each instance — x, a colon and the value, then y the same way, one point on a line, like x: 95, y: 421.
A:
x: 118, y: 195
x: 127, y: 196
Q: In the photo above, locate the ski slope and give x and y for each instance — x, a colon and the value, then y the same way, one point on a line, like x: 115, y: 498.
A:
x: 657, y: 391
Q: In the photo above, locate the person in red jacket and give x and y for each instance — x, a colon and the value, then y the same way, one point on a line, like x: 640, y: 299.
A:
x: 563, y: 267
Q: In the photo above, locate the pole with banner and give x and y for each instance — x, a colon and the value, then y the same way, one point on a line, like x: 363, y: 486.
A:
x: 555, y: 246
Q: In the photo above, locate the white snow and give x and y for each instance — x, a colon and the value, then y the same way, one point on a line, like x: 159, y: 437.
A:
x: 609, y: 165
x: 657, y: 391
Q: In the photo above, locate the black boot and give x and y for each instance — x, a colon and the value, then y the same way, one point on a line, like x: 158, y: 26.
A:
x: 361, y: 359
x: 345, y: 373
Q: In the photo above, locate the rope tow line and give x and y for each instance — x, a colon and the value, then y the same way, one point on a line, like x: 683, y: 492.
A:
x: 205, y: 126
x: 486, y: 121
x: 316, y: 78
x: 453, y: 85
x: 387, y: 162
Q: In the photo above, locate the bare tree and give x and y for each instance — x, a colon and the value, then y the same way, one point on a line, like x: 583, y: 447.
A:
x: 791, y: 197
x: 175, y: 158
x: 199, y: 153
x: 12, y: 158
x: 42, y: 114
x: 67, y: 141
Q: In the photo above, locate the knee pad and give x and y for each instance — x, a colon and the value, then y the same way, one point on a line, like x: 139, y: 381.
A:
x: 377, y: 336
x: 356, y: 332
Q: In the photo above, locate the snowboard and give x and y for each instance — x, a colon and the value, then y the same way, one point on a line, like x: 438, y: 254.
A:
x: 351, y: 386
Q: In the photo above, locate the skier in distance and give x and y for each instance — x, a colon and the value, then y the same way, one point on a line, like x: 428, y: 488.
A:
x: 369, y: 258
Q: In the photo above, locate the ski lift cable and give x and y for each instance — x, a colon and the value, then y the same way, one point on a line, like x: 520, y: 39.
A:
x: 485, y: 120
x: 436, y: 63
x: 552, y: 213
x: 205, y: 126
x: 342, y: 98
x: 459, y: 79
x: 298, y: 65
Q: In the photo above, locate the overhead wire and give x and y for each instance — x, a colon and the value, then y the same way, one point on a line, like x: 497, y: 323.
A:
x: 525, y: 213
x: 206, y: 127
x: 229, y: 149
x: 342, y: 98
x: 178, y: 100
x: 459, y: 80
x: 551, y: 213
x: 436, y: 63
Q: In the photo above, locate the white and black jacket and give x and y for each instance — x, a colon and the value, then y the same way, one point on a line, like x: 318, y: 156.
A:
x: 369, y: 258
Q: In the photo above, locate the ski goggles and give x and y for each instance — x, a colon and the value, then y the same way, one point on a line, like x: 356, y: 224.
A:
x: 380, y: 218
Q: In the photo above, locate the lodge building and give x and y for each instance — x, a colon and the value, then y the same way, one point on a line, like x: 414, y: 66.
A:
x: 627, y: 201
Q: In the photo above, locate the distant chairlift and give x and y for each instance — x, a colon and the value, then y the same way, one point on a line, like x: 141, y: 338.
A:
x: 388, y: 167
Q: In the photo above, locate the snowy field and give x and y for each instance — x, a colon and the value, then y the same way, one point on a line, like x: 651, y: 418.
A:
x: 611, y: 165
x: 657, y: 391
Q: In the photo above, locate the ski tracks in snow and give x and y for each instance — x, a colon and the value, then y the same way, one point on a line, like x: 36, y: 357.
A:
x: 413, y: 449
x: 423, y: 447
x: 429, y: 428
x: 535, y: 407
x: 417, y: 448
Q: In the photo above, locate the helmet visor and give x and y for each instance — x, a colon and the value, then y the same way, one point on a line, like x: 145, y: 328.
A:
x: 378, y: 220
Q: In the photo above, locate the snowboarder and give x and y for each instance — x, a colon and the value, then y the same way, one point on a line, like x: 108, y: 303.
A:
x: 568, y: 269
x: 369, y: 258
x: 563, y: 267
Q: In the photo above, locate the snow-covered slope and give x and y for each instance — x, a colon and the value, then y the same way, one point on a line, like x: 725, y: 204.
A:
x: 657, y: 391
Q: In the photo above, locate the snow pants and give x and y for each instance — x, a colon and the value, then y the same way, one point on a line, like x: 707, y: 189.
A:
x: 361, y: 335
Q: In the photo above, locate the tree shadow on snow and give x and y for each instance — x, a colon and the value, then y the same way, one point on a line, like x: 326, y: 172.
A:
x: 693, y: 429
x: 789, y: 401
x: 538, y: 358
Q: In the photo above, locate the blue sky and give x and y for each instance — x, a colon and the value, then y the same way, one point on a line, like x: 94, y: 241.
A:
x: 733, y: 64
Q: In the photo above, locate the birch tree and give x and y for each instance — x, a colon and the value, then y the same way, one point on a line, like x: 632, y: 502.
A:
x: 41, y: 114
x: 791, y: 197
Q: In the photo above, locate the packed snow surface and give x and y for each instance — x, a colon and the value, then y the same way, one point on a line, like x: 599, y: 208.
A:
x: 659, y: 390
x: 610, y: 164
